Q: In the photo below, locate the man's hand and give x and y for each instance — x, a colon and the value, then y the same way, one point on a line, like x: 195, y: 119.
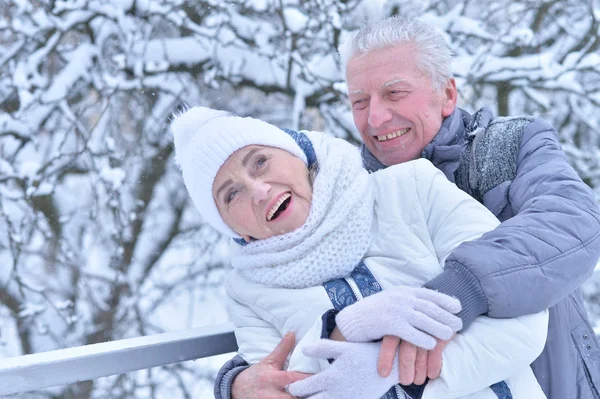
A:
x: 266, y: 379
x: 414, y: 363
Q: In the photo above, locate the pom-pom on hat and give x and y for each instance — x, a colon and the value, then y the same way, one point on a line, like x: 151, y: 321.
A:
x: 204, y: 139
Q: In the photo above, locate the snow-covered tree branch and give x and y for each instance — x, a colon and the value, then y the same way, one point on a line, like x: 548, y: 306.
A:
x: 98, y: 240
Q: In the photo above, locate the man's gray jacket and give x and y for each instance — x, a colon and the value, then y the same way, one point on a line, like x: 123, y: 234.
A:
x: 547, y: 245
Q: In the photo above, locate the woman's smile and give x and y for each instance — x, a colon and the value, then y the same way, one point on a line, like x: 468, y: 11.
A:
x: 280, y: 207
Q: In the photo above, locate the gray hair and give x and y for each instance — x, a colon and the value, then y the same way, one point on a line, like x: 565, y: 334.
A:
x: 313, y: 171
x: 433, y: 54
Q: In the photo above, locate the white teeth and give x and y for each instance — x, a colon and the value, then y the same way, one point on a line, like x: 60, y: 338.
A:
x: 392, y: 135
x: 277, y: 205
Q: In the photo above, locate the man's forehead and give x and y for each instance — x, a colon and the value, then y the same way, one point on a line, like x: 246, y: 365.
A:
x: 388, y: 83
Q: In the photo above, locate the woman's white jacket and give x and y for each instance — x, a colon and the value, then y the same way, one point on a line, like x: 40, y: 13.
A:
x: 420, y: 217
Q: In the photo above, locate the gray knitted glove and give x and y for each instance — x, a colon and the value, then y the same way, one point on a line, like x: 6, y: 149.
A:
x: 416, y: 315
x: 352, y: 375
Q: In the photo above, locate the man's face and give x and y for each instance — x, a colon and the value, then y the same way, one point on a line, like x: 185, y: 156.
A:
x: 395, y: 108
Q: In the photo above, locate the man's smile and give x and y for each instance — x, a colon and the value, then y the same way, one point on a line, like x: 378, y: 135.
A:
x: 393, y: 135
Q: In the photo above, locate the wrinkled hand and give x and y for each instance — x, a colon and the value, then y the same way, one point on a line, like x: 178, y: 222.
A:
x: 416, y: 315
x: 414, y: 364
x: 265, y: 379
x: 353, y: 374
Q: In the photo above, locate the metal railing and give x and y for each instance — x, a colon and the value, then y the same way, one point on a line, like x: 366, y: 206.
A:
x: 65, y: 366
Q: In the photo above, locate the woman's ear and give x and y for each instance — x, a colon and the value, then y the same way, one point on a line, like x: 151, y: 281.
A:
x: 247, y: 238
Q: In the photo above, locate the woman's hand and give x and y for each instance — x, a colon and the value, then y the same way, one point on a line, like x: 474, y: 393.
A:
x: 417, y: 315
x: 352, y: 375
x: 266, y: 379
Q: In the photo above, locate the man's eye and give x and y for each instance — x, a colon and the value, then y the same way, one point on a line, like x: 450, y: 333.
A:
x: 359, y: 104
x: 398, y: 93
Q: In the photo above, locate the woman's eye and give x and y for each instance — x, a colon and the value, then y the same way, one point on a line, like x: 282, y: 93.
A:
x: 230, y: 196
x: 260, y: 162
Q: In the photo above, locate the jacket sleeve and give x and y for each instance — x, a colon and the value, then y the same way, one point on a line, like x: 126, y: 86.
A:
x: 226, y: 375
x: 538, y: 257
x: 489, y: 351
x: 255, y: 333
x: 256, y: 338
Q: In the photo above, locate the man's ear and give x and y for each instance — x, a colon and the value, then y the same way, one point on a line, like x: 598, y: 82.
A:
x: 450, y: 96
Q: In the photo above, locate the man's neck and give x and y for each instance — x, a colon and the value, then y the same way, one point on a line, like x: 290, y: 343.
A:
x: 446, y: 143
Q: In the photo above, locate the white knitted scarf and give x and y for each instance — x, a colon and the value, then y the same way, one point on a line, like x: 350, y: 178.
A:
x: 337, y: 232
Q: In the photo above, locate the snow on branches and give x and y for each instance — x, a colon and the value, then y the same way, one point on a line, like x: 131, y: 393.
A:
x: 98, y: 238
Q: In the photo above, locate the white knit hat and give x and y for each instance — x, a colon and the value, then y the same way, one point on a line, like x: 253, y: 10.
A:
x: 204, y: 139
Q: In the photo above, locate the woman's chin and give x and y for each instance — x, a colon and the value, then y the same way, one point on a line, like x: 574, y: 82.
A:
x: 286, y: 228
x: 293, y: 222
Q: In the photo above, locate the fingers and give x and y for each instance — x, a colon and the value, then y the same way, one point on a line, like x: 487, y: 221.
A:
x: 285, y: 378
x: 416, y: 337
x: 431, y: 327
x: 444, y: 301
x: 406, y: 362
x: 434, y: 361
x: 308, y: 386
x: 276, y: 359
x: 421, y: 366
x: 325, y: 349
x: 440, y: 315
x: 387, y: 355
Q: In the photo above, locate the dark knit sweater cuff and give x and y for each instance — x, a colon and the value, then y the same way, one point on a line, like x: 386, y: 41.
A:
x: 227, y: 382
x: 328, y: 325
x: 459, y: 282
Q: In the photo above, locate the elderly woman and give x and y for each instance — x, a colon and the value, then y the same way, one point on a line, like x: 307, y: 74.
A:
x: 327, y: 250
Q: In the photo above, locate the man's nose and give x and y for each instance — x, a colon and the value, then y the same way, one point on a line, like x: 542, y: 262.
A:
x: 379, y: 113
x: 260, y: 191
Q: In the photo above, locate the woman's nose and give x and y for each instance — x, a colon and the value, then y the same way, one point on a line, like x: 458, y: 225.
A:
x: 260, y: 191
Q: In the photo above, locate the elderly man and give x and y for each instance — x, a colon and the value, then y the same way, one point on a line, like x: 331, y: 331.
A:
x: 403, y: 100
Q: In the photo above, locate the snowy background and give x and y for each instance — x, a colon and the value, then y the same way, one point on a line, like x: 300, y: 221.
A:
x: 98, y: 240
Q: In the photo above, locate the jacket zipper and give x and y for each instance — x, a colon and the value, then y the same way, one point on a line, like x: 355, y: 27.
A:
x: 399, y: 393
x: 354, y: 287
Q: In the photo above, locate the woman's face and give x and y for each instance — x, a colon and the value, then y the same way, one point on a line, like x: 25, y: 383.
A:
x: 262, y: 192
